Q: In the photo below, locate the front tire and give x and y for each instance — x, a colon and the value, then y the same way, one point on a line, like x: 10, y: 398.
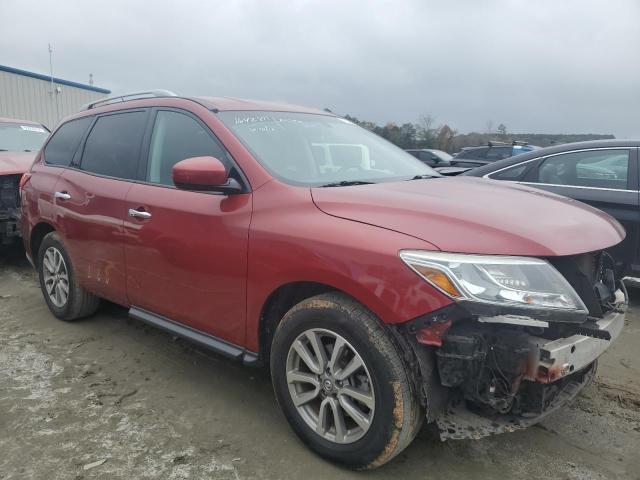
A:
x: 66, y: 299
x: 342, y: 384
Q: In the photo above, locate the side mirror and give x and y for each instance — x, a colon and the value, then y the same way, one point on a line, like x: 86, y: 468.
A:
x: 204, y: 174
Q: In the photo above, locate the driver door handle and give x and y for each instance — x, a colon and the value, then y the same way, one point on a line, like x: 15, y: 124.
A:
x: 62, y: 195
x: 139, y: 213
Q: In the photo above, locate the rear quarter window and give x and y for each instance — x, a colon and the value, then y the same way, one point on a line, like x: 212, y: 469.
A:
x: 590, y: 168
x: 65, y: 141
x: 512, y: 173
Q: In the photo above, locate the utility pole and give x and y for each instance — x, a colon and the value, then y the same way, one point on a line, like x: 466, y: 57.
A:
x: 53, y: 90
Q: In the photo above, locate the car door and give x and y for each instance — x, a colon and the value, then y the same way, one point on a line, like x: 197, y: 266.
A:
x: 186, y: 251
x: 605, y: 178
x: 58, y: 154
x: 90, y: 201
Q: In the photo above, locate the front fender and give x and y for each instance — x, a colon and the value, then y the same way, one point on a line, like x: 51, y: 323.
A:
x: 307, y: 245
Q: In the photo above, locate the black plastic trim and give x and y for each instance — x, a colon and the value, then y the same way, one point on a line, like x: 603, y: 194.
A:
x: 230, y: 188
x: 200, y: 338
x: 470, y: 310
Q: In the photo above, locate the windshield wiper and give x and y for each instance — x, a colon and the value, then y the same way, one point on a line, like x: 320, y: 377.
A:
x: 346, y: 183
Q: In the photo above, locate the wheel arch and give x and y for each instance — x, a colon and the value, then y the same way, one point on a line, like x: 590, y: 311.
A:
x: 38, y: 232
x: 278, y: 303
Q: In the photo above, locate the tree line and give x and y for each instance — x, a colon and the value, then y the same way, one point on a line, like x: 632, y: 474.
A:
x: 426, y: 133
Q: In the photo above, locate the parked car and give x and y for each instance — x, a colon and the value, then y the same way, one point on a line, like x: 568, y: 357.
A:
x: 379, y: 293
x: 473, y: 157
x: 431, y: 157
x: 19, y: 142
x: 602, y: 173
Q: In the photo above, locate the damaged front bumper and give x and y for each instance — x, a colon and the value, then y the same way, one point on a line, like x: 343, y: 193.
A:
x: 458, y: 422
x: 556, y: 371
x: 551, y: 360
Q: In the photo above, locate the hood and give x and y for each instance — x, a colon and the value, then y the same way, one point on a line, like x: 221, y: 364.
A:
x: 475, y: 215
x: 16, y: 162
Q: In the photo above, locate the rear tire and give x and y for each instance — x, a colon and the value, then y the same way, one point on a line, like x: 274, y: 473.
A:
x: 387, y: 413
x: 66, y: 299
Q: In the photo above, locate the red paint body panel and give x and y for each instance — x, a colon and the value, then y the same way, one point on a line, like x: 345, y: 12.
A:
x: 201, y: 171
x: 37, y: 201
x: 12, y: 163
x: 188, y: 262
x: 291, y: 240
x: 19, y: 122
x: 471, y: 215
x: 239, y: 104
x: 91, y: 223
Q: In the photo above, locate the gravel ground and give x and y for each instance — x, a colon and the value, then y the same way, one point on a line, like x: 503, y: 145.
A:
x: 110, y: 398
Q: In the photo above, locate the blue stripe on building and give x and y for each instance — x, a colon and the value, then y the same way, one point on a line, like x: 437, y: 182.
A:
x: 47, y: 78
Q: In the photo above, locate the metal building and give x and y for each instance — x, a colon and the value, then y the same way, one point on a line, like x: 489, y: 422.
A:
x: 32, y: 96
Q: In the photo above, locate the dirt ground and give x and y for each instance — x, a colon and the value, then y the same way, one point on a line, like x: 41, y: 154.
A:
x: 110, y: 398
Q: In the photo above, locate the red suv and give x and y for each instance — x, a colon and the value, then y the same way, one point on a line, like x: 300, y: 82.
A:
x: 379, y: 293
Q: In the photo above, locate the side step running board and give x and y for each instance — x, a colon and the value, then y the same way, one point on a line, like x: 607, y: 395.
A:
x: 203, y: 339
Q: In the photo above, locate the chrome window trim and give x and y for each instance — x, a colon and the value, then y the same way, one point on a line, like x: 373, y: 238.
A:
x: 515, y: 165
x: 577, y: 186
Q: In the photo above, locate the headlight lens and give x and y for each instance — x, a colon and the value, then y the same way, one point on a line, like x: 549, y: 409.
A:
x: 503, y: 280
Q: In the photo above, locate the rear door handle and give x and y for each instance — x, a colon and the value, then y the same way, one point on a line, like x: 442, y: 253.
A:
x: 139, y: 213
x: 62, y: 195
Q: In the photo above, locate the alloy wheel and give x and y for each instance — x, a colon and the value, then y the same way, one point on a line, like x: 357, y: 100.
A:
x: 330, y: 386
x: 56, y: 277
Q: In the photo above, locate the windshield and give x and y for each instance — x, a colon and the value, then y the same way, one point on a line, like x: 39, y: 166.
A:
x: 15, y: 137
x: 308, y: 149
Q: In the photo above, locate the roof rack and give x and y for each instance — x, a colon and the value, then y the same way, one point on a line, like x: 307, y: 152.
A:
x: 130, y: 96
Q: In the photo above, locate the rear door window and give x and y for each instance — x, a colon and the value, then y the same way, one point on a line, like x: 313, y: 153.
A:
x: 65, y: 141
x: 177, y: 136
x: 113, y: 145
x: 596, y: 168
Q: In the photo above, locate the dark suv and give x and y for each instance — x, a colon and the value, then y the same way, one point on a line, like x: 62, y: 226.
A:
x: 379, y: 293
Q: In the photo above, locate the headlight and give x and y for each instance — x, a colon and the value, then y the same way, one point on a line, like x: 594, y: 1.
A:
x: 495, y: 279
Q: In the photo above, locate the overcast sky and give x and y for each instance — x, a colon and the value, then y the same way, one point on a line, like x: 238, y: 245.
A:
x: 543, y: 66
